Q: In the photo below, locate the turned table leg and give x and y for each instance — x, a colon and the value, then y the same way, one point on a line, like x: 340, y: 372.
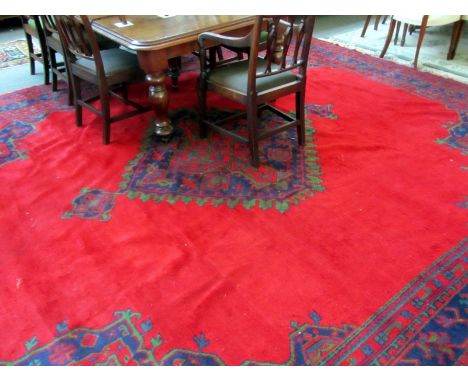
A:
x: 159, y: 100
x: 155, y: 66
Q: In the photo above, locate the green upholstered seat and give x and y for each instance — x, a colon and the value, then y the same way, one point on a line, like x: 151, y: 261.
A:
x: 246, y: 82
x: 114, y: 61
x: 234, y: 76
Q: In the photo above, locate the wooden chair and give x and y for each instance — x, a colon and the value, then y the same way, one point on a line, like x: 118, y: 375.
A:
x: 216, y: 57
x: 257, y: 81
x: 418, y: 21
x: 108, y: 69
x: 33, y: 29
x: 54, y: 47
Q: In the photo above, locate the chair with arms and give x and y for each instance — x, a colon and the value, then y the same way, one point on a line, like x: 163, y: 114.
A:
x: 419, y: 21
x: 33, y: 29
x: 108, y: 69
x: 256, y: 81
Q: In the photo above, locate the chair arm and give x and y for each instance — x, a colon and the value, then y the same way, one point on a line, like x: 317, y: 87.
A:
x: 228, y: 41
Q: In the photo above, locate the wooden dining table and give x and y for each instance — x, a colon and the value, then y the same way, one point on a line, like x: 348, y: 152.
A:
x: 156, y: 40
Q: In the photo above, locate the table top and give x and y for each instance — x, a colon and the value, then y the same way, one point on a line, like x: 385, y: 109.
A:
x: 160, y: 32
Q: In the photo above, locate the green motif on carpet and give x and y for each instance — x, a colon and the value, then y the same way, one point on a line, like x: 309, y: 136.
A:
x: 217, y: 170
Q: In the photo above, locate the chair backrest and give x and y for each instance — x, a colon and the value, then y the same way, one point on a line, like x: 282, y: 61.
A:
x: 31, y: 25
x: 79, y: 41
x: 78, y: 36
x: 287, y: 45
x: 52, y: 35
x: 50, y: 26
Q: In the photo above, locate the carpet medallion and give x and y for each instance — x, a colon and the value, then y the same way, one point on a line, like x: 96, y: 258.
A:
x: 214, y: 170
x: 349, y: 251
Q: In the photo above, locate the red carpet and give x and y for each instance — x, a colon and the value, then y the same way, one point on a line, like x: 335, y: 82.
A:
x: 351, y: 251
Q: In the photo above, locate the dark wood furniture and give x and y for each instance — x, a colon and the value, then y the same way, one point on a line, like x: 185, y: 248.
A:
x: 157, y: 39
x: 33, y: 29
x: 108, y: 69
x: 256, y: 81
x: 54, y: 47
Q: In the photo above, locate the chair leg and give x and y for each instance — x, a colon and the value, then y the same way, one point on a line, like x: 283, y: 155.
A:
x: 105, y: 110
x: 45, y: 58
x: 384, y: 19
x: 397, y: 32
x: 389, y: 37
x: 376, y: 23
x: 212, y: 57
x: 202, y: 108
x: 70, y: 95
x: 366, y: 24
x: 106, y: 127
x: 125, y: 91
x: 253, y: 140
x: 456, y: 34
x: 405, y: 30
x: 175, y: 65
x: 32, y: 63
x: 77, y: 95
x: 219, y: 53
x: 53, y: 68
x: 300, y: 117
x: 420, y: 39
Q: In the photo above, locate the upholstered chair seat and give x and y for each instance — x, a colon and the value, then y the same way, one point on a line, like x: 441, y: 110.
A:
x: 115, y: 61
x: 234, y: 76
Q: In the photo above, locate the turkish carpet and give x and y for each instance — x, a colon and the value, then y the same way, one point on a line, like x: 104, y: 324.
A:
x: 13, y: 53
x: 349, y: 251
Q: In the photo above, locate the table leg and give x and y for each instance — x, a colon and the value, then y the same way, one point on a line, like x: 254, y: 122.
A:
x: 155, y: 66
x: 175, y: 64
x: 159, y: 100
